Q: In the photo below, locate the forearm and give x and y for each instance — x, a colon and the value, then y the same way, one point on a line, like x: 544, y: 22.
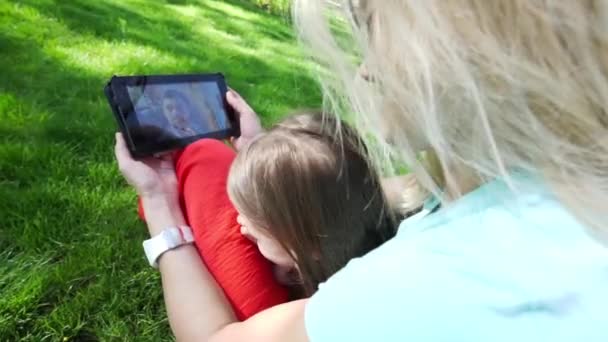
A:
x: 196, y: 306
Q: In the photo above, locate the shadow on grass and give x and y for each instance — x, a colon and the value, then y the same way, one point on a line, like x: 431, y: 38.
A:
x: 270, y: 25
x: 113, y: 22
x: 78, y: 118
x: 40, y: 82
x: 79, y: 127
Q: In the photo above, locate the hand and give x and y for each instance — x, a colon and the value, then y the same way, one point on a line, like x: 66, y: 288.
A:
x: 249, y: 120
x: 151, y: 177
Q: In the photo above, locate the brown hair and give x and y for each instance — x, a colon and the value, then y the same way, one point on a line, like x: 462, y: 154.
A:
x: 309, y: 184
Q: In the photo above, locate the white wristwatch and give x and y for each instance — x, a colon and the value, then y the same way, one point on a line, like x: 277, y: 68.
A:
x: 168, y: 239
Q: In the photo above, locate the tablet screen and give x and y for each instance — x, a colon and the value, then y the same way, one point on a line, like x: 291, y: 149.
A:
x: 170, y: 111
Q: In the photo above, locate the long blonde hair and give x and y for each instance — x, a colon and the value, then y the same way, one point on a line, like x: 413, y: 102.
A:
x: 488, y: 86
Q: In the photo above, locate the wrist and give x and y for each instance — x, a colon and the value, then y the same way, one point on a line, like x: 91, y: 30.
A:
x: 162, y: 212
x: 170, y: 238
x: 159, y: 200
x: 182, y: 249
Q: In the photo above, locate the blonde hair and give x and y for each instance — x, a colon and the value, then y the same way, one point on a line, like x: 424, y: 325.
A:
x: 488, y: 86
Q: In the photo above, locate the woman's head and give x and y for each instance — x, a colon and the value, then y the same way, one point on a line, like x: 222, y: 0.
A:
x: 311, y: 192
x: 488, y: 86
x: 176, y: 107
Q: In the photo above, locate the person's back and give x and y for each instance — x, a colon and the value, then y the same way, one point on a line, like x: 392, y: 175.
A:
x: 508, y: 101
x: 309, y: 198
x: 492, y: 267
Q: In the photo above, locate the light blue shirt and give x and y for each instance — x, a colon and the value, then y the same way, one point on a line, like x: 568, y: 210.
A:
x: 493, y: 266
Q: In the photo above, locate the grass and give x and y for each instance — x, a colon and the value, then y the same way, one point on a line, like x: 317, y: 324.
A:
x: 71, y: 263
x: 280, y: 7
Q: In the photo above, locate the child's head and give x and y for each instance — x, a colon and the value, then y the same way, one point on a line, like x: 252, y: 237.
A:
x: 308, y: 196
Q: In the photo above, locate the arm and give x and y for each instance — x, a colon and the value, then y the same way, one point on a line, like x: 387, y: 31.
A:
x: 281, y: 323
x: 196, y: 306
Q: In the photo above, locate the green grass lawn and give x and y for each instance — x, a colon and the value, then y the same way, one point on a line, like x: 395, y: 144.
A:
x: 71, y: 262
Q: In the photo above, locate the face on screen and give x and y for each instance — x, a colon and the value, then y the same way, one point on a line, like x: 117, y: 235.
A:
x: 177, y: 110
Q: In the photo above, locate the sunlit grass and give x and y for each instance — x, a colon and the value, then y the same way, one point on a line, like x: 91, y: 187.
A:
x: 71, y: 264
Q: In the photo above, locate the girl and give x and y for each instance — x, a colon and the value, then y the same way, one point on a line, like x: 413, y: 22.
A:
x: 308, y: 197
x: 511, y: 97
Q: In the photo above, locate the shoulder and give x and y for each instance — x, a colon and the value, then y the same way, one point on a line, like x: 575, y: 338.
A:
x: 492, y: 273
x: 374, y: 296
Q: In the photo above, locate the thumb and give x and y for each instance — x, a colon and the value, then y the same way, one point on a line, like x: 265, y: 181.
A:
x: 121, y: 152
x: 238, y: 103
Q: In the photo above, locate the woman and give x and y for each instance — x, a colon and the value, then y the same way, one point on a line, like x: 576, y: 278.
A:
x: 179, y: 112
x: 509, y: 99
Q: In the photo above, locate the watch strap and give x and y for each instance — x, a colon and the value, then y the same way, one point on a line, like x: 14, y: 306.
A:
x: 168, y: 239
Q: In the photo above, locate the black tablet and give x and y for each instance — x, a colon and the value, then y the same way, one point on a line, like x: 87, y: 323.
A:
x: 158, y: 113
